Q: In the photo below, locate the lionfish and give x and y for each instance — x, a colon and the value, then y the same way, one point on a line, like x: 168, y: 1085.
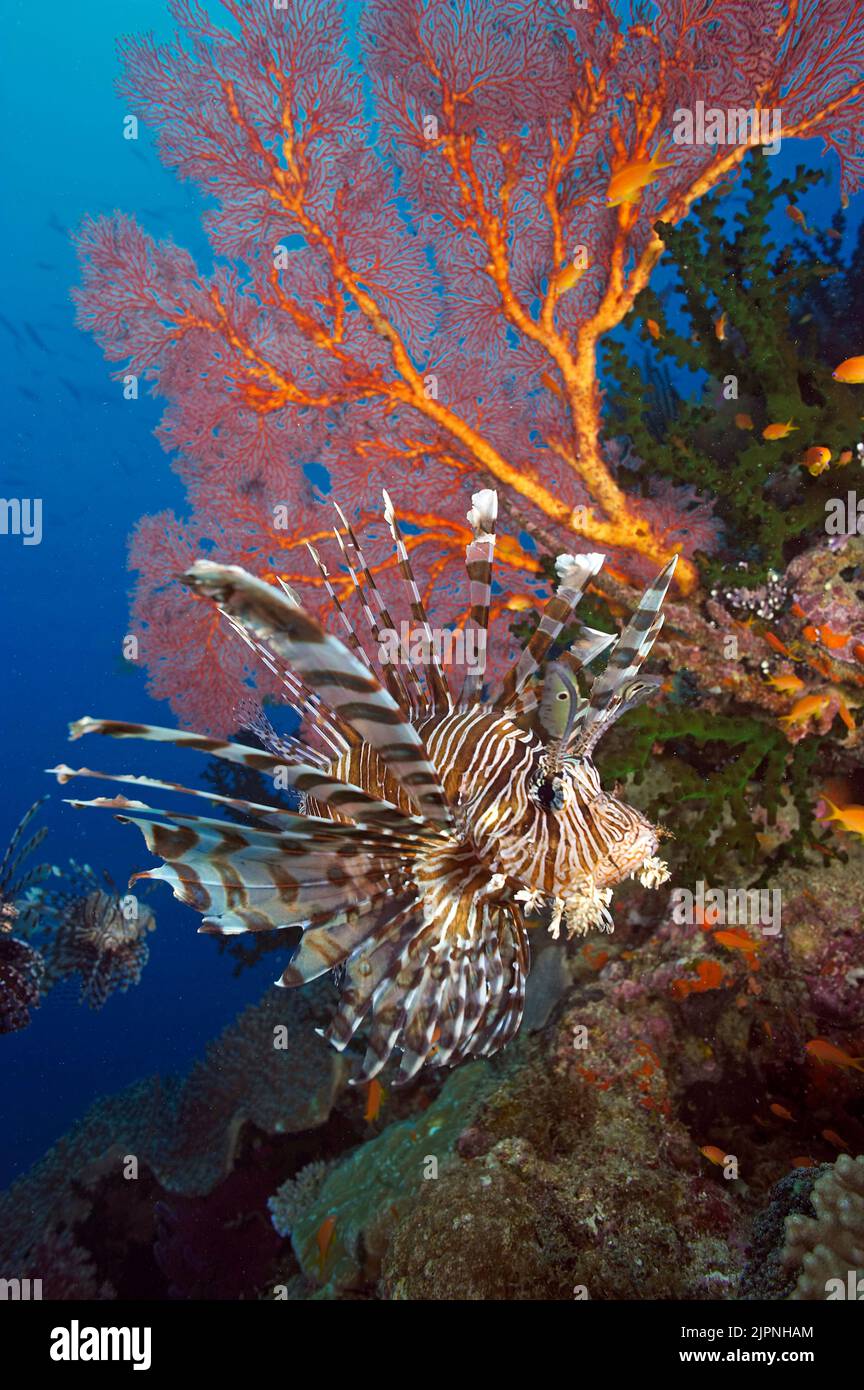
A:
x: 22, y: 968
x: 430, y: 822
x: 94, y: 935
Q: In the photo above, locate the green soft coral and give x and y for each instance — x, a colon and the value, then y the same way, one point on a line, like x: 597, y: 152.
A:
x: 785, y: 312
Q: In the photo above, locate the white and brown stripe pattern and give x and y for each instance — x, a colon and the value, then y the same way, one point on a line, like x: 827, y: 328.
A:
x: 423, y: 834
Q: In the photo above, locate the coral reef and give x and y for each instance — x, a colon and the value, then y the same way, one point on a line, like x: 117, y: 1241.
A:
x: 174, y: 1140
x: 338, y: 342
x: 829, y: 1247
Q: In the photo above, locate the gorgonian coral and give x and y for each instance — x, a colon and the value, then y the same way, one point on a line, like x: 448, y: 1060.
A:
x: 418, y: 289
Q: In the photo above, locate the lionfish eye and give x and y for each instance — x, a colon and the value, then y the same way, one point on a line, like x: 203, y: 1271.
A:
x: 549, y: 793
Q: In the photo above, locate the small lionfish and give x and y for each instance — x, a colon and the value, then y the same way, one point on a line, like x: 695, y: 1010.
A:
x: 429, y: 824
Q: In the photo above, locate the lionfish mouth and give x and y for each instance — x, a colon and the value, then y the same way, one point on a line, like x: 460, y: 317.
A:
x: 420, y: 842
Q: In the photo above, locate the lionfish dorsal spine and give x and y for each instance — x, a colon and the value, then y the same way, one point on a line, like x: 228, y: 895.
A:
x: 575, y: 573
x: 441, y: 700
x: 343, y: 683
x: 479, y: 559
x: 607, y: 699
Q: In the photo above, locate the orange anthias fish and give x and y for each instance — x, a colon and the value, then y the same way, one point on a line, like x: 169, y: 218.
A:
x: 781, y: 1111
x: 832, y: 1137
x: 720, y: 328
x: 826, y: 1052
x: 653, y: 328
x: 743, y: 421
x: 778, y: 431
x: 806, y: 708
x: 850, y: 817
x: 714, y: 1154
x: 568, y: 276
x: 816, y: 460
x: 797, y: 216
x: 374, y: 1096
x: 851, y: 371
x: 738, y: 940
x: 324, y: 1239
x: 518, y: 603
x: 625, y: 185
x: 786, y: 684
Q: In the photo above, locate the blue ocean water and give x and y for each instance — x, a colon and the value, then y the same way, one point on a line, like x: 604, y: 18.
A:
x: 71, y: 440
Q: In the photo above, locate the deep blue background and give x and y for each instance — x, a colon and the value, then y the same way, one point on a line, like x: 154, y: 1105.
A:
x: 69, y: 438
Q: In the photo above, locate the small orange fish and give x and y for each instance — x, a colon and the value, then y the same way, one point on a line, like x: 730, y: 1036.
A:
x: 324, y: 1239
x: 858, y: 651
x: 738, y: 940
x: 834, y: 234
x: 806, y: 708
x: 626, y: 184
x: 781, y: 1111
x: 551, y: 384
x: 720, y: 328
x: 653, y: 328
x: 825, y: 1051
x: 772, y: 432
x: 518, y: 603
x: 743, y: 421
x: 374, y: 1096
x: 568, y: 276
x: 797, y: 216
x: 833, y: 1137
x: 774, y: 641
x: 845, y: 713
x: 804, y: 1162
x: 816, y: 460
x: 810, y: 632
x: 714, y: 1154
x: 845, y: 457
x: 851, y: 371
x: 786, y: 684
x: 850, y: 817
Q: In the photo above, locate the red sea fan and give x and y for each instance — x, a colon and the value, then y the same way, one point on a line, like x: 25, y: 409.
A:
x: 414, y: 295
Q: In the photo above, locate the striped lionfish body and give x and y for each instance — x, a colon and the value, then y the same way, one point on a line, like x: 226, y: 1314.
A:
x: 430, y: 821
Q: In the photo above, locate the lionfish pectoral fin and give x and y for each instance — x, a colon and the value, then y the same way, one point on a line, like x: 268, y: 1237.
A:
x: 343, y: 682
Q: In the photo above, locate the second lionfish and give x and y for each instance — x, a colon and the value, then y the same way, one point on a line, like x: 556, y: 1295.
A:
x: 430, y: 822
